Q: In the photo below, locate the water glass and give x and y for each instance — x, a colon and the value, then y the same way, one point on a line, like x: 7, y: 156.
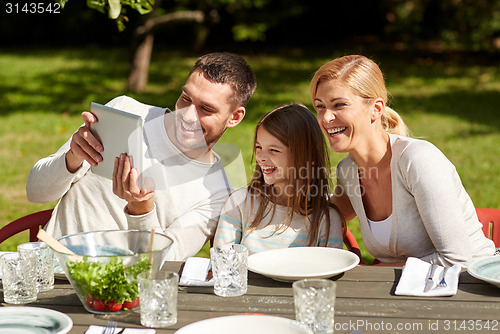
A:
x: 315, y: 304
x: 229, y: 268
x: 43, y: 257
x: 158, y: 296
x: 18, y: 279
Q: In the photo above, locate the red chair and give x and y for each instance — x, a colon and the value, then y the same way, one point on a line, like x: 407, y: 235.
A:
x: 32, y: 222
x: 352, y: 245
x: 490, y: 218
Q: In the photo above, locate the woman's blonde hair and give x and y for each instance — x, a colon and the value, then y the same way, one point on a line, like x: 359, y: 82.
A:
x: 308, y: 186
x: 365, y: 78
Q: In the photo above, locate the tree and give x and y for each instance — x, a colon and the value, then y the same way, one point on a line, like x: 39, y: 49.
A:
x: 246, y: 19
x: 143, y: 40
x: 117, y: 9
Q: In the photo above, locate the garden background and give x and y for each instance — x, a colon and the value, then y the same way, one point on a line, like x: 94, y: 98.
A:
x: 440, y: 58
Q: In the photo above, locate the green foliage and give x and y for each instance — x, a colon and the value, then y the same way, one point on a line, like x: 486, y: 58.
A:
x: 474, y: 24
x: 116, y: 8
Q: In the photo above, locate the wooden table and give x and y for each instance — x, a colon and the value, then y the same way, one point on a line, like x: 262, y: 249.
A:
x: 365, y: 304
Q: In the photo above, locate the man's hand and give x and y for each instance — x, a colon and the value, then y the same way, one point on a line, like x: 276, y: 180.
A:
x: 140, y: 201
x: 84, y: 146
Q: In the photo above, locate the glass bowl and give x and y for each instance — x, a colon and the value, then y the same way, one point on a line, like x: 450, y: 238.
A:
x: 104, y: 270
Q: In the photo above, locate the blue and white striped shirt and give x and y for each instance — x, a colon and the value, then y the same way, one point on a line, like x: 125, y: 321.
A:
x: 236, y: 218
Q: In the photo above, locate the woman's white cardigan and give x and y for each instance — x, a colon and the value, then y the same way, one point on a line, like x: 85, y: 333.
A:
x: 433, y: 217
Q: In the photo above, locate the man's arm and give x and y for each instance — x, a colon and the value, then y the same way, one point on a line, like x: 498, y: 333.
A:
x: 52, y: 176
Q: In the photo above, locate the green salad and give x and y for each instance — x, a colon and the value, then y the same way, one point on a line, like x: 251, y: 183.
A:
x: 108, y: 285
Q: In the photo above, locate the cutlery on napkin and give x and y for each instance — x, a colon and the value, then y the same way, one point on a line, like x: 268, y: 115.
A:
x: 196, y: 272
x: 99, y: 329
x: 418, y: 274
x: 429, y: 280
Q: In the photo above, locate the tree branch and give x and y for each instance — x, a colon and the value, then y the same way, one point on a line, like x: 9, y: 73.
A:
x: 154, y: 23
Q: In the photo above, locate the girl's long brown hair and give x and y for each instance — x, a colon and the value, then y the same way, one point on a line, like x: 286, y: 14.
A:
x: 308, y: 174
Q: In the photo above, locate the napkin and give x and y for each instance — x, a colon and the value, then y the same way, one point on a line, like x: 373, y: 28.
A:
x: 195, y: 272
x: 413, y: 278
x: 99, y: 329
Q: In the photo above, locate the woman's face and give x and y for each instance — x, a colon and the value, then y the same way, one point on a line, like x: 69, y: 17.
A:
x: 344, y: 116
x: 273, y: 158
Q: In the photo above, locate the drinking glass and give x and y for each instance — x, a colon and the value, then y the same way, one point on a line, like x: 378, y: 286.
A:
x: 158, y: 296
x: 315, y: 304
x: 229, y: 267
x: 18, y: 279
x: 43, y: 257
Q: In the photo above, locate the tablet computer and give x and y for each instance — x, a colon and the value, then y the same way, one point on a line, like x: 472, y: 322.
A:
x: 119, y: 132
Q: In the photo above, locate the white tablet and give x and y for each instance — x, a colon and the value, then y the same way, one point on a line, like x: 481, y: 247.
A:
x: 119, y: 132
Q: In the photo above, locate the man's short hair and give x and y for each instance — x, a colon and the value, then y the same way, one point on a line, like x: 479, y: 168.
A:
x: 229, y: 68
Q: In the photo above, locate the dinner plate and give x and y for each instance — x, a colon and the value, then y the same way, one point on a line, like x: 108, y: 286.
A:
x: 487, y: 269
x: 245, y: 324
x: 296, y: 263
x: 33, y: 320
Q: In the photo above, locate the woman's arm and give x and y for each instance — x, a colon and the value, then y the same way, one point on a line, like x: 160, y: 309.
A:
x: 439, y: 195
x: 342, y: 202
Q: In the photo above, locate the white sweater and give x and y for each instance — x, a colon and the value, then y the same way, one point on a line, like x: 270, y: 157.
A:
x: 188, y: 199
x: 236, y: 218
x: 433, y: 217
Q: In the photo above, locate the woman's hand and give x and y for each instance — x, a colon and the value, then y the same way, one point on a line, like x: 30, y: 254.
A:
x: 140, y: 201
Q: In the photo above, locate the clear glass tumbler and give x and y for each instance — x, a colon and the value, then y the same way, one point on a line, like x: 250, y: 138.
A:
x: 42, y: 255
x: 229, y: 267
x: 18, y: 279
x: 315, y: 304
x: 158, y: 296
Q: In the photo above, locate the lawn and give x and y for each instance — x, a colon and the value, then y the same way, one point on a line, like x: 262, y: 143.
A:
x: 450, y: 101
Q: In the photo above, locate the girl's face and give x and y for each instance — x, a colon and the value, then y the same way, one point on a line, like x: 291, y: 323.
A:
x: 344, y: 116
x: 273, y: 158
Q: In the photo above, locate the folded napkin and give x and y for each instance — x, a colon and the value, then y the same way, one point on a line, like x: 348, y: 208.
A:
x: 414, y: 276
x: 99, y: 329
x: 195, y: 272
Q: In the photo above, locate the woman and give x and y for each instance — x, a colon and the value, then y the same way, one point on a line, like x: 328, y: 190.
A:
x: 407, y: 195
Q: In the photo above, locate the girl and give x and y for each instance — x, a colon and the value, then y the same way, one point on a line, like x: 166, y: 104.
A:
x: 287, y: 201
x: 407, y: 195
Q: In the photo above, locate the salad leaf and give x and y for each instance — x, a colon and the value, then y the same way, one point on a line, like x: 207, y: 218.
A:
x: 107, y: 281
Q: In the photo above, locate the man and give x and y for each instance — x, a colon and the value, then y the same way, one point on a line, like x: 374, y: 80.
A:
x: 187, y: 202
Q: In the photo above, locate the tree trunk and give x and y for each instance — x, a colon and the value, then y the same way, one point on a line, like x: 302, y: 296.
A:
x: 138, y: 77
x: 144, y: 40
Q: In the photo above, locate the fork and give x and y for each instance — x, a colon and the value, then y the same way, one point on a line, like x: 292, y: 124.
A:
x: 442, y: 283
x: 110, y: 327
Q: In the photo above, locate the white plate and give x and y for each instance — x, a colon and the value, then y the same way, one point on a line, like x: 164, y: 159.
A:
x: 245, y: 324
x: 296, y: 263
x: 33, y: 320
x: 487, y: 269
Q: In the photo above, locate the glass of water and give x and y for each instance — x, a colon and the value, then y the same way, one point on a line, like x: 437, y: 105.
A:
x: 315, y: 304
x: 18, y: 279
x: 43, y: 257
x: 229, y: 267
x: 158, y: 296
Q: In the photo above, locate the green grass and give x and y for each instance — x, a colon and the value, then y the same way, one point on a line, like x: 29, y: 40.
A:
x: 449, y: 101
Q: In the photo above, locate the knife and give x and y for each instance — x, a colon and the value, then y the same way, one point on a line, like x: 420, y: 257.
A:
x: 429, y: 283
